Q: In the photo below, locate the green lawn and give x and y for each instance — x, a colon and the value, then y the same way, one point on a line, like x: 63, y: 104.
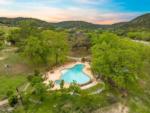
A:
x: 10, y: 83
x: 17, y: 63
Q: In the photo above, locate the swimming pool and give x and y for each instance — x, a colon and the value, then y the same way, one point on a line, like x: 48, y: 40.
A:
x: 74, y: 74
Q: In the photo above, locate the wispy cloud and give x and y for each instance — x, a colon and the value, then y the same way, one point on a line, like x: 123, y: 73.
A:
x: 59, y: 14
x: 4, y: 2
x: 92, y: 1
x: 63, y: 10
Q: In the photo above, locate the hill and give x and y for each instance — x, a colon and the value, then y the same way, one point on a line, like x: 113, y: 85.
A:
x: 79, y: 24
x: 13, y: 22
x: 141, y: 22
x: 40, y: 23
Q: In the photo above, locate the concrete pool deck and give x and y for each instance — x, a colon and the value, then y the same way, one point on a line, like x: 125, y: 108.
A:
x: 55, y: 74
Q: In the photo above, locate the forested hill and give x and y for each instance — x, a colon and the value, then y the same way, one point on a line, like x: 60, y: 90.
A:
x: 16, y: 21
x: 40, y: 23
x: 141, y: 22
x: 79, y: 24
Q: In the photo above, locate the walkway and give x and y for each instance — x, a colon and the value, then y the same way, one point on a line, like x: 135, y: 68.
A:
x: 97, y: 91
x: 2, y: 58
x: 74, y: 58
x: 10, y: 49
x: 116, y: 108
x: 4, y: 102
x: 89, y: 85
x: 142, y: 42
x: 78, y: 59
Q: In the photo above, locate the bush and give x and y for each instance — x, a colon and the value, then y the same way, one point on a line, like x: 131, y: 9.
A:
x: 9, y: 93
x: 74, y: 87
x: 36, y: 73
x: 29, y: 78
x: 83, y: 60
x: 62, y: 84
x: 51, y: 84
x: 13, y: 100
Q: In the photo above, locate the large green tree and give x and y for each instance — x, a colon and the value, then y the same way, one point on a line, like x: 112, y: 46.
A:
x: 49, y: 47
x: 117, y: 61
x: 58, y: 45
x: 23, y: 32
x: 37, y: 50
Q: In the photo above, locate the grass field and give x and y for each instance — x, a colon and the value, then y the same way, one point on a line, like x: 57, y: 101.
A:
x: 6, y: 29
x: 9, y: 82
x: 15, y: 75
x: 17, y: 64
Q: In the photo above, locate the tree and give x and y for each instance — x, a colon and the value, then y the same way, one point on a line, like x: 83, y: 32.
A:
x: 51, y: 84
x: 79, y: 40
x: 13, y: 100
x: 117, y: 61
x: 58, y: 45
x: 37, y: 49
x: 62, y: 84
x: 74, y: 87
x: 48, y: 47
x: 40, y: 90
x: 14, y: 37
x: 35, y: 80
x: 28, y: 28
x: 25, y: 30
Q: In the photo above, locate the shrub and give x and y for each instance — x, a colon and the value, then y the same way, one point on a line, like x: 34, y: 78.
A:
x: 62, y: 84
x: 9, y: 93
x: 13, y: 100
x: 83, y: 60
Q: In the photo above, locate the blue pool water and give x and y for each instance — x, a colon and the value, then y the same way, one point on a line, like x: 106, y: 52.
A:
x: 74, y: 74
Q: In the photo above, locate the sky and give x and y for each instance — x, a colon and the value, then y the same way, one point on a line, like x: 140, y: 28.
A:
x: 94, y: 11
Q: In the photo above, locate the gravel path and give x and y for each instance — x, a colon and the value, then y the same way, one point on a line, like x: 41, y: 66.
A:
x: 89, y: 85
x: 116, y: 108
x: 142, y: 42
x: 2, y: 58
x: 4, y: 102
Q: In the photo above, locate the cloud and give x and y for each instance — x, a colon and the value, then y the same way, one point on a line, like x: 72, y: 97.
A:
x: 53, y: 14
x: 92, y: 1
x: 5, y: 2
x: 115, y: 17
x: 63, y: 10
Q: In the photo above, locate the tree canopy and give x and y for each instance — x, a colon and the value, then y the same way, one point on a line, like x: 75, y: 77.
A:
x: 117, y: 61
x: 48, y: 48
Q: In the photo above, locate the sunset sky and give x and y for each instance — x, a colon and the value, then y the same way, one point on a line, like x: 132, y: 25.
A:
x: 95, y: 11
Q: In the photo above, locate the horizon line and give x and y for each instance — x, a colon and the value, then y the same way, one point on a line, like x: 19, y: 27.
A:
x: 13, y: 17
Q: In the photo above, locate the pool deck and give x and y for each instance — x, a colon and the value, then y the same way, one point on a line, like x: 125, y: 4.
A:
x: 55, y: 74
